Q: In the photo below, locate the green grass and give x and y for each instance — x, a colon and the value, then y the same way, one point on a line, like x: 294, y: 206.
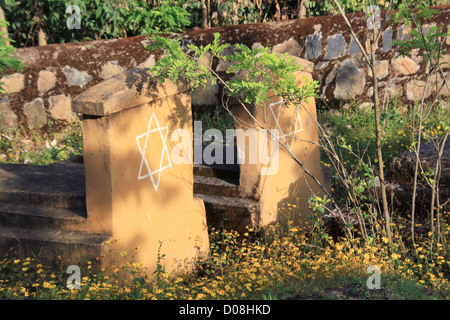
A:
x: 41, y: 148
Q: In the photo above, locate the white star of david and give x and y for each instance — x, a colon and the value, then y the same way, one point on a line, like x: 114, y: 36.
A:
x: 296, y: 124
x: 164, y: 152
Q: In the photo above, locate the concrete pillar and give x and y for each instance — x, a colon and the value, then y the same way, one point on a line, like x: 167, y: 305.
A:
x: 136, y: 189
x: 276, y: 179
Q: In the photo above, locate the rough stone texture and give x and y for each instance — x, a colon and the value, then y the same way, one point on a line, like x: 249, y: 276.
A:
x: 46, y: 81
x: 447, y: 40
x: 405, y: 65
x: 224, y: 65
x: 350, y: 81
x: 13, y: 83
x: 381, y: 68
x: 110, y: 69
x: 35, y: 113
x: 416, y: 88
x: 290, y: 46
x: 205, y: 95
x: 427, y: 27
x: 394, y: 88
x: 387, y: 39
x: 61, y: 108
x: 335, y: 47
x: 445, y: 61
x: 402, y: 167
x: 90, y: 56
x: 331, y: 75
x: 149, y: 63
x: 8, y: 119
x: 354, y: 48
x: 440, y: 86
x: 75, y: 77
x: 404, y: 33
x: 401, y: 175
x: 313, y: 46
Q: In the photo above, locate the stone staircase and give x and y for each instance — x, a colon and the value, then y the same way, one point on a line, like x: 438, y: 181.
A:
x: 218, y: 187
x: 43, y: 213
x: 43, y: 208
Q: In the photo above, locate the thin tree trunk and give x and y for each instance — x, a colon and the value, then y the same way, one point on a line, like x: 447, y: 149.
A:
x: 378, y: 140
x: 42, y: 40
x: 4, y: 29
x: 205, y: 13
x: 301, y: 9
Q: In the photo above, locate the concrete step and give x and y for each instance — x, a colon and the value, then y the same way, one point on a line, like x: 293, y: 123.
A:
x: 39, y: 217
x: 223, y: 171
x: 231, y: 213
x: 216, y: 186
x: 53, y: 186
x: 47, y: 245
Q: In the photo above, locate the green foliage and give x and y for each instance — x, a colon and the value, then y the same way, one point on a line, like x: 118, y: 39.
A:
x: 168, y: 17
x: 176, y: 64
x: 257, y: 71
x: 6, y: 60
x: 429, y: 42
x: 263, y: 71
x: 218, y: 118
x: 19, y: 146
x: 98, y: 19
x: 328, y: 7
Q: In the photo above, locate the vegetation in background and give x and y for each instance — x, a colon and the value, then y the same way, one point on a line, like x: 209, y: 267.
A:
x: 16, y: 146
x: 31, y: 19
x: 6, y: 60
x: 98, y: 19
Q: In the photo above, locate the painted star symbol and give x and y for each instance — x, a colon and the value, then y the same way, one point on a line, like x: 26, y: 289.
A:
x: 296, y: 125
x: 153, y: 126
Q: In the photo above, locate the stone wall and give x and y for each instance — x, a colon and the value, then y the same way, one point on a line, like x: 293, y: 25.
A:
x: 57, y: 73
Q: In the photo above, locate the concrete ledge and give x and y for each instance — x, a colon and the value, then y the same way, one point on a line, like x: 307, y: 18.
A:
x: 123, y: 91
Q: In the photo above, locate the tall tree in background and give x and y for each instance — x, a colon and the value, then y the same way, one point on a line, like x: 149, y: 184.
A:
x: 301, y: 9
x: 4, y: 28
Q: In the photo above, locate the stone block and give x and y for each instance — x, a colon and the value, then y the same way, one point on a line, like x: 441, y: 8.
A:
x: 387, y: 39
x: 75, y: 77
x: 381, y: 68
x: 335, y: 47
x: 350, y: 80
x: 313, y: 46
x: 148, y: 63
x: 35, y: 113
x: 13, y: 83
x: 111, y: 68
x: 354, y: 48
x: 61, y: 108
x: 46, y: 81
x: 445, y: 61
x: 8, y: 119
x: 447, y: 40
x: 415, y: 89
x: 393, y: 88
x: 290, y: 46
x: 405, y: 65
x: 404, y: 33
x: 205, y: 95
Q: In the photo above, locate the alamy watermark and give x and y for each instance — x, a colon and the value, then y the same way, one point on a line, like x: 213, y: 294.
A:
x: 74, y: 21
x: 374, y: 281
x: 74, y: 280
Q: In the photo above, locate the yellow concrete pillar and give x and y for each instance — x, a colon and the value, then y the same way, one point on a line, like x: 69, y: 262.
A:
x: 139, y: 187
x: 276, y: 179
